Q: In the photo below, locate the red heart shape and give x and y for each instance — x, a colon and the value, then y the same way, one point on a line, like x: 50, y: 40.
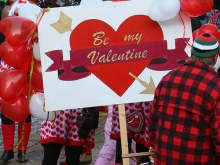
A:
x: 135, y: 121
x: 12, y: 83
x: 74, y: 129
x: 17, y: 109
x: 116, y: 76
x: 13, y: 55
x: 114, y: 118
x: 17, y: 29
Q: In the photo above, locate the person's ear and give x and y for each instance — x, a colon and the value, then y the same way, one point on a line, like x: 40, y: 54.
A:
x: 215, y: 59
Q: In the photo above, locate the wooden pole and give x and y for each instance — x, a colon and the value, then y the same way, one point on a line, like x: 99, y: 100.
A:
x: 123, y: 133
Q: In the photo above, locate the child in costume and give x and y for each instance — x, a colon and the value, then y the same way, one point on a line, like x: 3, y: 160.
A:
x: 108, y: 151
x: 63, y: 131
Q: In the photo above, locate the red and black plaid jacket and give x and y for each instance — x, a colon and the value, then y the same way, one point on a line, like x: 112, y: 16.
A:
x: 185, y: 117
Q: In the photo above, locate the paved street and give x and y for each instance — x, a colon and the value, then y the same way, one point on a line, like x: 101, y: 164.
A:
x: 35, y: 150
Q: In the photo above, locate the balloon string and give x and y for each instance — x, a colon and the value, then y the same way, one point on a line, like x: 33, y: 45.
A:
x: 30, y: 77
x: 55, y: 116
x: 21, y: 141
x: 184, y: 31
x: 30, y: 45
x: 30, y: 80
x: 44, y: 10
x: 29, y: 93
x: 44, y: 109
x: 29, y: 89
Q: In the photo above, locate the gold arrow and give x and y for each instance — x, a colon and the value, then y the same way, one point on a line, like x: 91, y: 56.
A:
x: 63, y: 24
x: 150, y: 87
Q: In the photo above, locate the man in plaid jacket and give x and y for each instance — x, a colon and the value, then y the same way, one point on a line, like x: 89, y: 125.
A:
x: 185, y: 117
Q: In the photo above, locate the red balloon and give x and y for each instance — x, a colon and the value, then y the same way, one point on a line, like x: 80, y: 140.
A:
x: 37, y: 79
x: 207, y: 6
x: 17, y: 109
x: 194, y: 8
x: 27, y: 63
x: 211, y: 29
x: 13, y: 55
x: 12, y: 83
x: 17, y: 29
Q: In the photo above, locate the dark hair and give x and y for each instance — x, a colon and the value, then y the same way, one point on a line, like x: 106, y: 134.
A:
x: 195, y: 23
x: 47, y: 3
x: 54, y: 3
x: 216, y: 4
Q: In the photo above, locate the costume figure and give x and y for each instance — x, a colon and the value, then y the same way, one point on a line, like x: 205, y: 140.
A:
x: 63, y: 131
x: 108, y: 151
x: 141, y: 138
x: 214, y: 17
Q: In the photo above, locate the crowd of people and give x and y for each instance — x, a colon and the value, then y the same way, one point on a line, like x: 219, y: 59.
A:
x: 181, y: 124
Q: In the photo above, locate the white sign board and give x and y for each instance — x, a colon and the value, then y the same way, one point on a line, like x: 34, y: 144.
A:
x: 109, y: 53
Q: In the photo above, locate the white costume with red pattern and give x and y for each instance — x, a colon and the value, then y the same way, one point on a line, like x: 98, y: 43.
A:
x: 63, y: 130
x: 140, y: 137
